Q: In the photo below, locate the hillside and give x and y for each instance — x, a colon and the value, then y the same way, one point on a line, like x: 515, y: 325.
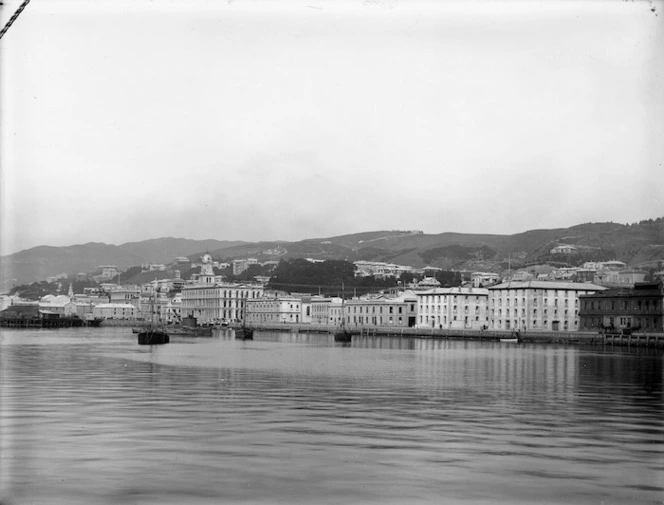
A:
x: 639, y: 245
x: 40, y: 262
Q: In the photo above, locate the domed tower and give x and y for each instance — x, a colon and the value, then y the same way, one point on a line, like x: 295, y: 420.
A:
x: 207, y: 272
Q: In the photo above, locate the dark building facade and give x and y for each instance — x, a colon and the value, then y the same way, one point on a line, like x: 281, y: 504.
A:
x: 640, y: 308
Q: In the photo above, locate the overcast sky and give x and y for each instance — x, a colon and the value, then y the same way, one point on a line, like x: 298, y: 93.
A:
x: 262, y: 120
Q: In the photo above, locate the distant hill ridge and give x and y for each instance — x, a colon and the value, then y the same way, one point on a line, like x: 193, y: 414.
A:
x: 638, y: 244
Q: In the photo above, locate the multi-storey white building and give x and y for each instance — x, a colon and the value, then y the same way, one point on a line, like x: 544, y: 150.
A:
x: 537, y: 305
x: 173, y: 310
x: 274, y: 310
x: 379, y: 269
x: 218, y: 302
x: 125, y: 294
x: 453, y: 308
x: 114, y: 311
x: 326, y: 311
x: 399, y: 311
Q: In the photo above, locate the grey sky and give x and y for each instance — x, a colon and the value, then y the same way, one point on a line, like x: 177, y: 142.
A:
x: 129, y: 120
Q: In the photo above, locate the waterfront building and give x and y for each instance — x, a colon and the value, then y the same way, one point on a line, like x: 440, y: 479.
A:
x: 173, y: 310
x: 152, y: 306
x: 78, y: 308
x: 638, y: 308
x: 125, y: 294
x: 274, y: 310
x: 52, y: 304
x: 453, y: 308
x: 219, y: 301
x: 537, y: 305
x: 125, y: 311
x: 326, y: 311
x: 398, y: 311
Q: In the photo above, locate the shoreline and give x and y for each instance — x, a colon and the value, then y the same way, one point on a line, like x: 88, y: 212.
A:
x: 641, y: 339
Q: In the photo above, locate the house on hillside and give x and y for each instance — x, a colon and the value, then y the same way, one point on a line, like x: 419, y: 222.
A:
x: 564, y: 249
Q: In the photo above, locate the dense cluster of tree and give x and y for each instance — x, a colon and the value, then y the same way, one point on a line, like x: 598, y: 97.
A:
x: 36, y: 290
x: 249, y: 273
x: 328, y: 277
x: 448, y: 279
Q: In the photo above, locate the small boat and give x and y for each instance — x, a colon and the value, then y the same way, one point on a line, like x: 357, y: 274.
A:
x: 198, y: 331
x: 515, y: 338
x: 244, y: 333
x: 96, y: 322
x: 341, y: 334
x: 153, y: 336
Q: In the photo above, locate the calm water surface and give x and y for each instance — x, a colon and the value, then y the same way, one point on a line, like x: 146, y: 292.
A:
x: 88, y: 416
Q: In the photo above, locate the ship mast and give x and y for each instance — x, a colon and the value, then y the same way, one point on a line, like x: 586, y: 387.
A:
x: 14, y: 17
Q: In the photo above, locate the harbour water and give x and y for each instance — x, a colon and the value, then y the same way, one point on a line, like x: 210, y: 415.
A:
x: 88, y: 416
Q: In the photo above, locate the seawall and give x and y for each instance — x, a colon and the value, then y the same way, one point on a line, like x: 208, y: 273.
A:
x: 649, y: 339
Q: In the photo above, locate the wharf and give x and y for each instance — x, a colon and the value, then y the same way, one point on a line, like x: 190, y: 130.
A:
x: 649, y: 339
x: 65, y: 322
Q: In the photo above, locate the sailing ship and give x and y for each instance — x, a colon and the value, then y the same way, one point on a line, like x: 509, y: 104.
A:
x: 153, y: 334
x: 244, y: 332
x: 341, y: 334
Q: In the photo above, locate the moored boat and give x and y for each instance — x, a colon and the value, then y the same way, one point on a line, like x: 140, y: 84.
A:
x: 515, y: 338
x: 341, y: 334
x: 244, y: 333
x: 153, y: 336
x: 95, y: 322
x: 198, y: 331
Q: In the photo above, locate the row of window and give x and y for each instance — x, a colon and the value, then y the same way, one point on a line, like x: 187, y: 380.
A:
x: 648, y: 305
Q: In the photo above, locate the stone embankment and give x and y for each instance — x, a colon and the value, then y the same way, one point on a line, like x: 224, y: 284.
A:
x: 557, y: 337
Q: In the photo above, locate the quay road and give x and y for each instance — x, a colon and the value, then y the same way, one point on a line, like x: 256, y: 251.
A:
x: 649, y: 339
x: 640, y: 339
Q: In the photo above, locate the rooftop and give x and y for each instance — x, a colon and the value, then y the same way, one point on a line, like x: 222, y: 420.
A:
x: 573, y: 286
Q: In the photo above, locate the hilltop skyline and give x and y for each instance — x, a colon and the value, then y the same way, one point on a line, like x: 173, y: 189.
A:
x: 253, y: 121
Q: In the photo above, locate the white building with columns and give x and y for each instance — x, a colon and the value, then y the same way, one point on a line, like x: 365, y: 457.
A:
x: 219, y: 302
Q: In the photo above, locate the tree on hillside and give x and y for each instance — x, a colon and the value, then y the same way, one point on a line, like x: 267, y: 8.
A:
x: 249, y: 274
x: 78, y: 286
x: 302, y: 275
x: 448, y: 279
x: 36, y: 290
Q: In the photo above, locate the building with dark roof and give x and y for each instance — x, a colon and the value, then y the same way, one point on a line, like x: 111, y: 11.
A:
x: 618, y: 309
